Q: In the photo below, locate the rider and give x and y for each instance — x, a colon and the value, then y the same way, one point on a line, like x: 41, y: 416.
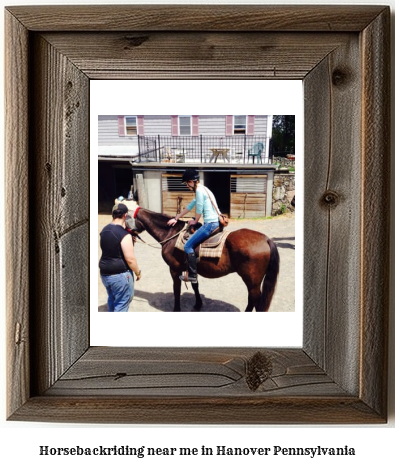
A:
x: 204, y: 207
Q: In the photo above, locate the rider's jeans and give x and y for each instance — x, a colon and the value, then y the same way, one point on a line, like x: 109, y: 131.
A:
x: 199, y: 236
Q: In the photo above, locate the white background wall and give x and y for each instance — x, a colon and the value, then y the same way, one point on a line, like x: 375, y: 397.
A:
x: 277, y: 97
x: 19, y: 442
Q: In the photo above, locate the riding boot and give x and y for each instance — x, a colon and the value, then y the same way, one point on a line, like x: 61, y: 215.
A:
x: 191, y: 274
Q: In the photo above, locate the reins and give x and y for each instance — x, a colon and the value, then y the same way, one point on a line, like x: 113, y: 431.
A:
x: 163, y: 241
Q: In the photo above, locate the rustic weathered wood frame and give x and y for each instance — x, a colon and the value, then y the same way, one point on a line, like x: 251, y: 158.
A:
x: 340, y: 374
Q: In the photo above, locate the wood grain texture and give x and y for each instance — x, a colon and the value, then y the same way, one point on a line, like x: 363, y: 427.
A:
x: 210, y: 372
x: 339, y: 376
x: 198, y: 410
x: 375, y: 207
x: 121, y: 385
x: 174, y: 202
x: 16, y: 186
x: 196, y: 18
x: 317, y: 150
x: 246, y: 205
x: 61, y: 204
x: 196, y: 55
x: 332, y: 228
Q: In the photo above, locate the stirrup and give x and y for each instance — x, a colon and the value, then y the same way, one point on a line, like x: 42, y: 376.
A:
x: 186, y: 278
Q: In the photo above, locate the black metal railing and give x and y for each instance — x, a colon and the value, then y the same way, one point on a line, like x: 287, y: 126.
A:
x: 202, y: 149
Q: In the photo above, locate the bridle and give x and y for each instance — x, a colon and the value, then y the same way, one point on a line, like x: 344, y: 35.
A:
x: 134, y: 232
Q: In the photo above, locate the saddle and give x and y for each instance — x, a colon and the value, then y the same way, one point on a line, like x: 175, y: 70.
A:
x: 210, y: 248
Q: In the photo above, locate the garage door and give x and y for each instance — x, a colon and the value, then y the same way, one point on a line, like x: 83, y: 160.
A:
x: 248, y: 196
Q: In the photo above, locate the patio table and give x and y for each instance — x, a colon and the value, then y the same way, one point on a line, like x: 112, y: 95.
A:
x: 219, y: 152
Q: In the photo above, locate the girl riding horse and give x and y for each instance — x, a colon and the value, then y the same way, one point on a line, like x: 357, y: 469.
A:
x: 204, y: 202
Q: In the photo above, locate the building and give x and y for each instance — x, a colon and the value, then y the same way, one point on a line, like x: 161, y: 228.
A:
x: 150, y: 153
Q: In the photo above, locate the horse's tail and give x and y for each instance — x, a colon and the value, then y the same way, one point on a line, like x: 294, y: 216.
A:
x: 270, y: 279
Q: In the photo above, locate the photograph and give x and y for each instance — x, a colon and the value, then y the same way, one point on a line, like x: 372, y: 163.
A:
x: 242, y: 167
x: 207, y: 200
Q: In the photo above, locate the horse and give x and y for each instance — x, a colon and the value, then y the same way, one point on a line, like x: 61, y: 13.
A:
x: 251, y: 254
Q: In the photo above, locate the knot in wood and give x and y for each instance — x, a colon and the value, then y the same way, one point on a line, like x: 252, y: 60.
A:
x: 135, y: 41
x: 330, y: 198
x: 340, y: 77
x: 259, y: 369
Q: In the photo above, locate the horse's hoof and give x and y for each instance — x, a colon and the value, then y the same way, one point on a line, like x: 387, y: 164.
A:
x: 197, y: 308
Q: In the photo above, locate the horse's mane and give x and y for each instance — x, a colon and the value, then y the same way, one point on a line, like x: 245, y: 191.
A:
x: 162, y: 219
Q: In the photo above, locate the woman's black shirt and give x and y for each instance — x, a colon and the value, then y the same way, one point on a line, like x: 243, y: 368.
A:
x: 112, y: 260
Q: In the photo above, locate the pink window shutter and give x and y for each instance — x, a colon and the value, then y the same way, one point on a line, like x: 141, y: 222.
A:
x: 174, y: 125
x: 140, y: 125
x: 121, y: 126
x: 250, y: 125
x: 195, y: 125
x: 229, y: 125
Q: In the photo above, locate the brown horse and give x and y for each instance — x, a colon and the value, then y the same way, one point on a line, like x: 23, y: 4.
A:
x: 251, y: 254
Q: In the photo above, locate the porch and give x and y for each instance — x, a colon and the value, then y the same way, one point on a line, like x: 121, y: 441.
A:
x: 235, y: 149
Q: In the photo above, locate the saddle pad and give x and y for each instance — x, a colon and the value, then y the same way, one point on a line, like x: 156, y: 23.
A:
x: 210, y: 248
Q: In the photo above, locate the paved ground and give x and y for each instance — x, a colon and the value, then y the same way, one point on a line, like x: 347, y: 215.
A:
x: 154, y: 292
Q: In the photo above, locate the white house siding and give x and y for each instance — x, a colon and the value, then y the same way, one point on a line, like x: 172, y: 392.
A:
x: 260, y: 127
x: 108, y: 132
x: 211, y: 125
x: 215, y: 125
x: 157, y: 125
x: 161, y: 125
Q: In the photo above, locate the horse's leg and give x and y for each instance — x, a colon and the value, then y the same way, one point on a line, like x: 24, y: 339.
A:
x: 176, y: 290
x: 254, y: 293
x: 255, y: 280
x: 252, y: 278
x: 199, y: 303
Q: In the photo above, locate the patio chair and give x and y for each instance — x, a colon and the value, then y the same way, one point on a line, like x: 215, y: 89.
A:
x: 180, y: 155
x: 256, y: 151
x: 234, y: 156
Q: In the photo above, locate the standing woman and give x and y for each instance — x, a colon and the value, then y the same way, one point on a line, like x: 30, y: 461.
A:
x: 204, y: 200
x: 118, y: 261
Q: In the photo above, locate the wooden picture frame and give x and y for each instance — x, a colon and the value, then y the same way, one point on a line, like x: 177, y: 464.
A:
x: 340, y: 374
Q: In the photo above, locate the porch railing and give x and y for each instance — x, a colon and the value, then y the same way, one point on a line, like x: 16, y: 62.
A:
x: 201, y: 149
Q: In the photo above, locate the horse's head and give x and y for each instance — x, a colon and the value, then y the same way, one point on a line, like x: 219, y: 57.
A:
x: 132, y: 223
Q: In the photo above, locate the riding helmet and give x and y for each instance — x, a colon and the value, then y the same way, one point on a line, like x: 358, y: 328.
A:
x: 190, y: 174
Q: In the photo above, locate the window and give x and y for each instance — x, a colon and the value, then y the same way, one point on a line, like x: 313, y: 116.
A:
x: 185, y: 125
x: 131, y: 125
x: 239, y: 124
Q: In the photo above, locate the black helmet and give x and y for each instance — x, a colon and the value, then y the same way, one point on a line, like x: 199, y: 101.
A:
x: 190, y: 174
